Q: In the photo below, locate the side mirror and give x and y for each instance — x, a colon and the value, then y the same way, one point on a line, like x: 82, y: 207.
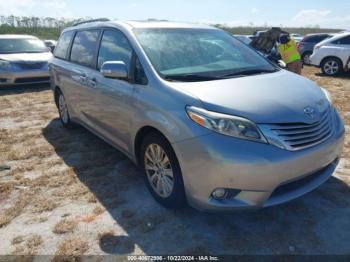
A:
x: 114, y: 69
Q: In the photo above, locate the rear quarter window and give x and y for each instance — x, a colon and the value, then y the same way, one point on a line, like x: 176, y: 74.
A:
x: 63, y: 44
x: 342, y: 41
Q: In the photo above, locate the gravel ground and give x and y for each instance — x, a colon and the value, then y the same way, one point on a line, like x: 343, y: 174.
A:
x: 68, y: 192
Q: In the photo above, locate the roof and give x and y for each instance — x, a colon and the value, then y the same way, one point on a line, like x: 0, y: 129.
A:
x: 325, y: 33
x: 17, y: 37
x: 165, y: 24
x: 142, y: 24
x: 337, y: 36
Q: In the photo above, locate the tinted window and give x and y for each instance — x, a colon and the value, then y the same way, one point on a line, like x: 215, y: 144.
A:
x: 342, y: 41
x: 315, y: 38
x: 114, y: 47
x: 63, y: 44
x: 22, y: 45
x: 84, y: 47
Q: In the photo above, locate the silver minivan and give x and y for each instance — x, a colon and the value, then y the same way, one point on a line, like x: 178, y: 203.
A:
x: 210, y: 121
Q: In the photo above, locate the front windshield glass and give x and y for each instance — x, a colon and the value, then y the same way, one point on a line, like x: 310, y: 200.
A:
x: 201, y: 52
x: 22, y: 45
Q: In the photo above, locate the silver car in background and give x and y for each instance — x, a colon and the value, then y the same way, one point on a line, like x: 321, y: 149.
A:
x: 209, y: 120
x: 23, y: 60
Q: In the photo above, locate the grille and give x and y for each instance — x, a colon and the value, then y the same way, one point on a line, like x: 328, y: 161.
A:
x: 29, y: 66
x: 297, y: 136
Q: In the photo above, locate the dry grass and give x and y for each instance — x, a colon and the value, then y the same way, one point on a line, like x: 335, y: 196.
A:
x: 16, y: 209
x: 98, y: 210
x: 72, y: 247
x: 29, y: 247
x: 17, y: 240
x: 34, y: 241
x: 65, y: 226
x: 43, y: 204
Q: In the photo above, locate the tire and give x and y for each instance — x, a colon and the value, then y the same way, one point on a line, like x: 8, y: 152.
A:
x: 63, y: 110
x: 306, y: 58
x: 162, y: 171
x: 332, y: 66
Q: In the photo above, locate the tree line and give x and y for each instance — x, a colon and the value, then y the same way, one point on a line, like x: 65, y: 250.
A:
x: 50, y: 28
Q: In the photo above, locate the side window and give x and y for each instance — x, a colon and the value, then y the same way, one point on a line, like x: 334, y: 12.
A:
x: 343, y: 41
x: 315, y: 39
x: 84, y: 47
x: 63, y: 44
x: 114, y: 47
x: 322, y: 37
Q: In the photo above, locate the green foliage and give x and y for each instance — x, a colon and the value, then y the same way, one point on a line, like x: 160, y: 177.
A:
x: 41, y: 32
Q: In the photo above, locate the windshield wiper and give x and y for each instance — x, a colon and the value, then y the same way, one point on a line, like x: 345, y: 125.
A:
x: 191, y: 77
x: 248, y: 72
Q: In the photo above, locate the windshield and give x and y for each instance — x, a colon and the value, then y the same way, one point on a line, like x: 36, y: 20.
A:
x: 208, y: 53
x: 22, y: 45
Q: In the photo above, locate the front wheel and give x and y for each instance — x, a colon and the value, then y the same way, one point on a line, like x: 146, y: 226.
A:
x: 331, y: 66
x: 162, y: 171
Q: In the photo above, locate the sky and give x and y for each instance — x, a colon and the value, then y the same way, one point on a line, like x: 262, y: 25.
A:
x: 325, y: 13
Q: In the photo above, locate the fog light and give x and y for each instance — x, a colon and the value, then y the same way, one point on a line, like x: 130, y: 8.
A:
x: 219, y: 193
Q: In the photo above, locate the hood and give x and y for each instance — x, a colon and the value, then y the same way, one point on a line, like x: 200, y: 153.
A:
x: 279, y: 97
x: 27, y: 57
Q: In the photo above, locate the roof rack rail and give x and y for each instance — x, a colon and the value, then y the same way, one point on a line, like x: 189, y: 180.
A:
x: 91, y: 21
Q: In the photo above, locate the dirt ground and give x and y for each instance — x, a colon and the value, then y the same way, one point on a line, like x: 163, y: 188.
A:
x: 68, y: 192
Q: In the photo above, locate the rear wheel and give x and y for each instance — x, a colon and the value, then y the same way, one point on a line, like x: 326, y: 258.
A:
x: 306, y: 58
x: 332, y: 66
x: 63, y: 110
x: 162, y: 172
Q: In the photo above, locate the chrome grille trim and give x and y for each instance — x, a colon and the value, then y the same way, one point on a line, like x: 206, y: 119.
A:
x: 297, y: 136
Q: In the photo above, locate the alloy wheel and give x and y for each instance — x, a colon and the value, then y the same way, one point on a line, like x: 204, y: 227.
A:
x: 159, y: 170
x: 331, y: 67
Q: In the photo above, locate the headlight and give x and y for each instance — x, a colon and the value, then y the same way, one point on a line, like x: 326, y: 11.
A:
x: 226, y: 124
x: 327, y: 95
x: 4, y: 65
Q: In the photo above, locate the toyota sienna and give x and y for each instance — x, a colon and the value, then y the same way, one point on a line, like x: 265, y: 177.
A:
x: 209, y: 120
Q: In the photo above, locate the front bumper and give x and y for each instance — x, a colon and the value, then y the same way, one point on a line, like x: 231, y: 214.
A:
x: 24, y: 77
x: 263, y: 174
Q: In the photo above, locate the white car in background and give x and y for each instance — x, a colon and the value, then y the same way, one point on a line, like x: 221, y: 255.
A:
x: 333, y: 54
x: 297, y: 37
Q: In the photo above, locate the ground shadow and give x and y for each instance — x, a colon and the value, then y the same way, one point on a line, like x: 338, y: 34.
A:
x: 317, y: 223
x: 345, y: 75
x: 22, y: 89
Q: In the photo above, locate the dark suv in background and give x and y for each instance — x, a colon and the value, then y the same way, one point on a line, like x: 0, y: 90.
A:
x: 306, y: 46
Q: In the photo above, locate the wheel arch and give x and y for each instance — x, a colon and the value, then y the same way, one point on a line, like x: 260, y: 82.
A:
x: 332, y: 56
x: 140, y: 135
